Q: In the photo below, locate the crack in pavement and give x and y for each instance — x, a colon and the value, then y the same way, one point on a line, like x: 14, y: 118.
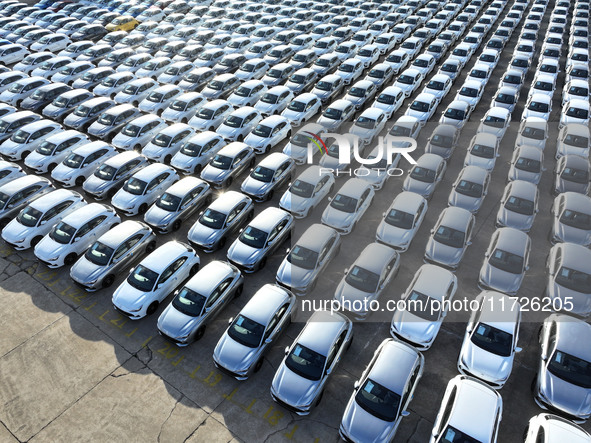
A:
x: 291, y: 421
x: 169, y: 415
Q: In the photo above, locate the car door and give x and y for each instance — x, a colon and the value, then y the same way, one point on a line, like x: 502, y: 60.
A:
x: 275, y: 237
x: 217, y: 300
x: 235, y: 217
x: 88, y: 233
x: 170, y: 278
x: 239, y: 163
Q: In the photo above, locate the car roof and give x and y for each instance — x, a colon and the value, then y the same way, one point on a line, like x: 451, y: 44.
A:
x: 474, y: 174
x: 122, y: 158
x: 375, y: 257
x: 233, y: 149
x: 175, y: 128
x: 571, y: 333
x: 268, y: 218
x: 394, y: 364
x: 151, y: 170
x: 115, y: 236
x: 264, y: 303
x: 92, y: 102
x: 576, y: 129
x: 92, y: 147
x: 372, y: 113
x: 274, y: 160
x: 164, y: 255
x: 578, y: 103
x: 430, y: 161
x: 559, y: 429
x: 321, y: 330
x: 209, y: 277
x: 273, y: 120
x: 576, y: 201
x: 228, y: 200
x: 523, y: 189
x: 82, y: 215
x: 512, y: 240
x: 498, y: 111
x: 118, y: 109
x: 145, y: 119
x: 184, y: 185
x: 52, y: 198
x: 456, y: 218
x: 576, y: 161
x: 315, y: 237
x: 433, y: 281
x: 354, y: 187
x: 64, y: 135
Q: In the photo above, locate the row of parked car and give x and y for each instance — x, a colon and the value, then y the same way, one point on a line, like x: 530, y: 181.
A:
x: 65, y: 230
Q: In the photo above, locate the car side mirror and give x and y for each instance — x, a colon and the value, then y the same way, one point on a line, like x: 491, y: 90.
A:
x: 544, y: 357
x: 328, y: 371
x: 432, y: 231
x: 207, y: 309
x: 329, y: 199
x: 405, y: 413
x: 268, y: 340
x: 518, y: 349
x: 230, y: 320
x: 286, y: 350
x: 76, y: 239
x: 346, y: 271
x: 42, y: 222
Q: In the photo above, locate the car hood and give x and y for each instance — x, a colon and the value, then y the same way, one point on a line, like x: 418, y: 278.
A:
x: 570, y: 234
x: 362, y: 426
x: 500, y: 280
x: 14, y: 231
x: 62, y: 172
x: 51, y: 110
x: 581, y: 302
x: 392, y: 234
x: 292, y: 388
x: 236, y: 357
x: 93, y: 183
x: 176, y: 324
x: 83, y: 270
x: 244, y: 254
x: 347, y: 292
x: 334, y: 217
x: 129, y: 298
x: 254, y: 187
x: 211, y: 173
x: 442, y: 253
x: 464, y: 201
x: 570, y: 398
x: 203, y: 234
x: 292, y: 202
x: 414, y: 328
x: 482, y: 363
x: 156, y: 215
x: 47, y: 248
x: 515, y: 220
x: 293, y: 276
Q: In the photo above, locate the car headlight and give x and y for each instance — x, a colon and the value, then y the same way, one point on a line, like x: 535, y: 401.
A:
x: 136, y: 310
x: 17, y: 242
x: 54, y: 258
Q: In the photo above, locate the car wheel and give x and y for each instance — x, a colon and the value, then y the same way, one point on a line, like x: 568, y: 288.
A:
x: 114, y: 225
x: 211, y: 128
x: 319, y: 399
x: 152, y: 308
x: 221, y: 243
x: 289, y: 134
x: 80, y: 181
x: 167, y: 159
x: 36, y: 240
x: 267, y: 149
x: 113, y: 96
x: 177, y: 225
x: 258, y: 365
x: 240, y: 138
x: 159, y: 112
x: 238, y: 291
x: 270, y: 195
x: 51, y: 167
x: 151, y: 246
x: 18, y: 103
x: 25, y: 154
x: 251, y: 164
x: 250, y: 216
x: 135, y: 104
x: 228, y: 182
x: 70, y: 259
x: 108, y: 280
x: 197, y: 170
x: 142, y: 209
x: 199, y: 333
x: 184, y: 120
x: 137, y: 147
x: 262, y: 263
x: 194, y: 270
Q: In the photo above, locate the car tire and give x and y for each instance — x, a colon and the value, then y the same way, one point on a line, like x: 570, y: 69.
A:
x: 113, y: 96
x: 267, y: 149
x: 289, y: 134
x: 177, y: 225
x: 70, y: 259
x: 135, y: 104
x: 250, y: 216
x: 152, y: 308
x: 251, y: 164
x: 184, y: 120
x: 270, y: 195
x: 36, y: 240
x: 221, y: 243
x: 262, y: 263
x: 108, y: 281
x: 319, y: 399
x: 114, y: 225
x: 51, y: 167
x: 239, y: 291
x: 25, y: 154
x: 167, y: 159
x: 142, y: 209
x: 228, y: 182
x: 137, y: 147
x: 239, y: 138
x: 194, y: 270
x: 197, y: 170
x: 151, y: 247
x: 258, y: 365
x: 80, y: 181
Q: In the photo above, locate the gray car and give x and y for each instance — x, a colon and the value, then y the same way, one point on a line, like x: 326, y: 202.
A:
x: 490, y: 340
x: 228, y: 163
x: 196, y: 152
x: 419, y: 320
x: 110, y: 176
x: 527, y: 164
x: 382, y: 394
x: 308, y: 258
x: 226, y: 215
x: 402, y: 220
x: 505, y: 261
x: 572, y: 173
x: 65, y: 103
x: 18, y: 193
x: 87, y: 112
x: 111, y: 121
x: 177, y: 204
x: 562, y: 383
x: 470, y: 188
x: 301, y: 378
x: 425, y: 175
x: 443, y: 140
x: 10, y: 123
x: 366, y: 279
x: 112, y: 254
x: 568, y: 270
x: 241, y: 349
x: 450, y: 237
x: 270, y: 174
x: 199, y: 301
x: 348, y: 206
x: 519, y: 205
x: 260, y: 238
x: 572, y: 219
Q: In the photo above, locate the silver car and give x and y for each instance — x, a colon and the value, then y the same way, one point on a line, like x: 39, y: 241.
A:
x: 470, y: 188
x: 450, y: 237
x: 563, y: 382
x: 196, y: 152
x: 527, y: 164
x: 519, y: 205
x: 348, y: 206
x: 505, y: 261
x: 112, y: 254
x: 241, y: 349
x: 199, y: 301
x: 402, y: 220
x: 490, y: 341
x: 367, y: 278
x: 222, y: 218
x: 426, y: 305
x: 178, y: 203
x: 308, y: 258
x: 18, y: 193
x: 483, y: 151
x: 572, y: 219
x: 270, y: 174
x: 443, y: 140
x: 228, y: 163
x: 309, y: 362
x: 425, y: 175
x: 568, y: 268
x: 571, y: 173
x: 260, y: 238
x: 382, y: 394
x: 556, y: 428
x: 307, y: 191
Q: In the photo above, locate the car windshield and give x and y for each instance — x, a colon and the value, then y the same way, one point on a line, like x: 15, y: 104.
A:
x: 29, y: 217
x: 216, y: 85
x: 548, y: 68
x: 452, y: 435
x: 512, y: 79
x: 400, y: 219
x: 131, y: 130
x: 483, y: 151
x: 362, y: 279
x: 222, y: 162
x: 420, y: 106
x: 212, y: 219
x: 449, y: 67
x: 262, y: 174
x: 46, y: 148
x: 365, y: 122
x: 305, y: 362
x: 155, y: 97
x: 206, y: 113
x: 504, y: 98
x: 347, y: 67
x: 538, y: 106
x: 189, y: 302
x: 20, y: 136
x: 533, y: 133
x: 492, y: 339
x: 233, y: 121
x: 135, y: 186
x: 543, y: 86
x: 576, y: 90
x: 528, y: 164
x: 450, y: 237
x: 469, y: 188
x: 270, y: 98
x: 142, y: 278
x: 99, y: 254
x: 62, y: 233
x: 577, y: 113
x: 245, y: 331
x: 302, y: 257
x: 576, y: 219
x: 455, y: 114
x: 378, y: 400
x: 506, y: 261
x: 301, y: 189
x: 576, y: 141
x: 520, y: 205
x: 262, y: 131
x: 74, y: 161
x: 253, y: 237
x: 168, y: 202
x: 358, y: 92
x: 575, y: 175
x: 468, y: 91
x: 344, y: 203
x: 572, y: 369
x: 423, y: 306
x: 574, y: 280
x: 39, y: 94
x: 105, y: 172
x: 107, y: 119
x: 495, y: 122
x: 423, y: 174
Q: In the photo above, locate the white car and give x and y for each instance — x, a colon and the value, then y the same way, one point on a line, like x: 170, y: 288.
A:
x: 482, y: 151
x: 53, y: 150
x: 302, y: 108
x: 398, y: 60
x: 211, y: 115
x: 12, y: 53
x: 424, y: 63
x: 239, y: 124
x: 274, y: 101
x: 196, y: 152
x: 155, y: 278
x: 537, y: 105
x: 138, y: 132
x: 439, y: 85
x: 167, y: 142
x: 81, y: 163
x: 350, y: 70
x: 409, y: 81
x: 471, y: 92
x: 184, y: 107
x: 575, y: 89
x: 39, y: 217
x: 423, y: 107
x: 253, y: 69
x: 29, y: 63
x: 368, y: 54
x: 348, y: 206
x: 114, y: 83
x: 159, y: 99
x: 389, y: 100
x: 496, y: 121
x: 557, y: 428
x: 51, y: 42
x: 144, y: 188
x: 135, y: 91
x: 268, y: 133
x: 153, y: 68
x: 27, y: 138
x: 74, y: 234
x: 271, y: 173
x: 72, y: 72
x: 575, y: 111
x: 402, y: 220
x: 248, y: 93
x: 307, y: 191
x: 368, y: 125
x: 543, y: 84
